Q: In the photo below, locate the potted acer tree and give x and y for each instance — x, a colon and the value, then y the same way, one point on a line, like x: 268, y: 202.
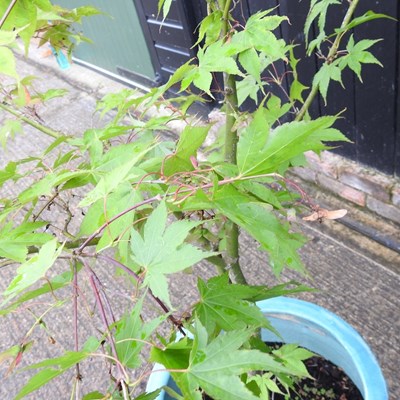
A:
x: 149, y: 208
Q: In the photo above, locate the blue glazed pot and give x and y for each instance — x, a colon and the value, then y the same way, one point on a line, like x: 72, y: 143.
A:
x: 320, y: 331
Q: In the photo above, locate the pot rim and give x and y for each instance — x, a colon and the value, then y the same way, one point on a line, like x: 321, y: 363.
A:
x: 372, y: 383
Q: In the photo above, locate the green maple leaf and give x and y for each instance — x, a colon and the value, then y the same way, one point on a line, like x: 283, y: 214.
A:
x: 216, y: 366
x: 258, y: 35
x: 251, y: 62
x: 247, y: 87
x: 227, y: 305
x: 191, y: 138
x: 318, y: 11
x: 263, y: 225
x: 263, y: 150
x: 33, y: 270
x: 293, y: 357
x: 327, y: 73
x: 14, y: 243
x: 54, y: 367
x: 215, y: 58
x: 161, y: 250
x: 210, y: 28
x: 131, y: 334
x: 10, y: 170
x: 358, y: 55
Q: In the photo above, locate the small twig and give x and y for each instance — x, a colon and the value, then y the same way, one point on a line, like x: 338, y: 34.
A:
x: 137, y: 278
x: 105, y: 297
x: 44, y: 129
x: 106, y: 224
x: 47, y: 204
x: 104, y: 319
x: 7, y: 12
x: 331, y: 56
x: 75, y: 295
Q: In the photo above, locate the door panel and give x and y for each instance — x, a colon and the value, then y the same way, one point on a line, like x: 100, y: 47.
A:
x: 118, y: 39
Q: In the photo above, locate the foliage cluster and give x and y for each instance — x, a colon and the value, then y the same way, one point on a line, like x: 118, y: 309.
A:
x: 150, y: 208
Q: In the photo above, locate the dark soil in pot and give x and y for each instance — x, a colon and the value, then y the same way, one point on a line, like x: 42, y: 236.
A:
x: 330, y: 383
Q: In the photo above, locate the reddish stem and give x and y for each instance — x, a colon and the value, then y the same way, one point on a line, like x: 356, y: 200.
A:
x: 106, y: 224
x: 104, y: 318
x: 137, y: 278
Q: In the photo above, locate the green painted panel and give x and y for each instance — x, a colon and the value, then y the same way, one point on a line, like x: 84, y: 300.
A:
x: 118, y: 39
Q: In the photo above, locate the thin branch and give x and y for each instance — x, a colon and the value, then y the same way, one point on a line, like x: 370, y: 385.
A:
x: 46, y: 205
x: 137, y: 278
x: 331, y: 56
x: 75, y: 295
x: 105, y: 297
x: 104, y: 319
x: 44, y: 129
x: 7, y: 12
x: 106, y: 224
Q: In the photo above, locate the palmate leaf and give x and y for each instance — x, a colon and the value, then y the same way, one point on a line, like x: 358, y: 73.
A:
x: 105, y: 209
x: 9, y: 172
x: 23, y: 15
x: 258, y: 35
x: 114, y: 172
x: 7, y: 62
x: 131, y: 332
x: 216, y: 366
x: 247, y: 87
x: 191, y: 138
x: 33, y: 270
x: 250, y: 61
x: 273, y: 235
x: 161, y: 250
x: 17, y: 248
x: 318, y: 11
x: 225, y: 305
x: 358, y: 55
x: 296, y: 87
x: 327, y: 73
x: 45, y: 186
x: 210, y: 28
x: 216, y: 58
x: 293, y: 357
x: 262, y: 150
x: 57, y: 366
x: 14, y: 242
x: 51, y: 286
x: 368, y: 16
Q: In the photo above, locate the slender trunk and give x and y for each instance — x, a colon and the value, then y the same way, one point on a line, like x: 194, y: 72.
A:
x: 231, y: 140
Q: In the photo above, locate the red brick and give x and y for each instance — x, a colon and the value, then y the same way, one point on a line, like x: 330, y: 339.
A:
x: 368, y: 181
x: 347, y: 192
x: 306, y: 174
x: 333, y: 162
x: 318, y: 164
x: 385, y: 210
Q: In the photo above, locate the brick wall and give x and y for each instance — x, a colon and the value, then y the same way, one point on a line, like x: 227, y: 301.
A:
x: 364, y: 187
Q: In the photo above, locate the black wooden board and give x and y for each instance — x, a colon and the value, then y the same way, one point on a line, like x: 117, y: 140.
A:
x: 376, y: 97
